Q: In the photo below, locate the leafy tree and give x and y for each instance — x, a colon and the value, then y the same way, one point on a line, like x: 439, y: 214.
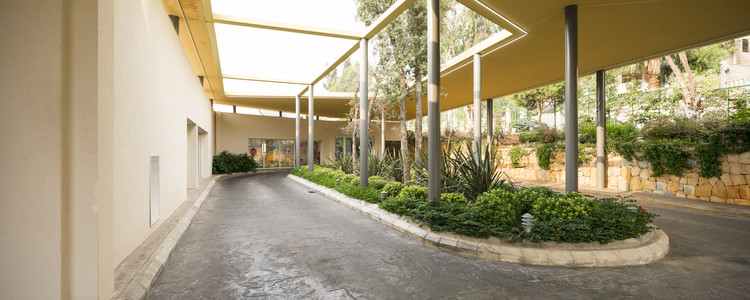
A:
x: 402, y: 51
x: 540, y: 98
x: 347, y: 82
x: 462, y: 28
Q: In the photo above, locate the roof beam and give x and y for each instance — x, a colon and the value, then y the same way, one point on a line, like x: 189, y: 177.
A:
x: 381, y: 22
x: 485, y: 11
x: 263, y: 79
x: 288, y: 27
x: 387, y: 17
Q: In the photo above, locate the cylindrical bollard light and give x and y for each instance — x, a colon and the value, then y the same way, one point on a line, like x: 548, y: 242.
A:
x: 528, y: 222
x: 338, y: 180
x: 383, y: 195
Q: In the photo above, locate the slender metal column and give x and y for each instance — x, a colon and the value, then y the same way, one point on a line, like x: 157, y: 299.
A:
x: 364, y: 139
x: 296, y: 135
x: 601, y: 130
x: 571, y: 98
x: 489, y: 121
x: 477, y: 106
x: 433, y: 100
x: 310, y: 131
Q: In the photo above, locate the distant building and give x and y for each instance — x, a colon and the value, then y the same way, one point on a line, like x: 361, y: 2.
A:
x: 735, y: 70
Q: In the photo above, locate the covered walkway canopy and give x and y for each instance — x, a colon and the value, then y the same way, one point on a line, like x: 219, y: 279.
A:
x: 539, y: 44
x: 528, y: 53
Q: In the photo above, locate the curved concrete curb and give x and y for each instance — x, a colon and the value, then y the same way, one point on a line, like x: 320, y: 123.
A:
x: 142, y: 282
x: 637, y: 251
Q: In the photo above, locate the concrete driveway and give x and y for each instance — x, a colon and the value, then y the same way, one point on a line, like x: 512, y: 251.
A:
x: 264, y: 236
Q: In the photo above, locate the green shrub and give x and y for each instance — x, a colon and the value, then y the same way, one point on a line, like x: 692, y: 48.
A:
x: 498, y: 208
x: 563, y: 218
x: 544, y: 154
x: 393, y: 188
x: 526, y: 197
x: 405, y: 206
x: 227, y: 163
x: 576, y: 218
x: 413, y: 191
x: 530, y: 137
x: 350, y: 179
x: 516, y: 153
x: 453, y: 198
x: 362, y: 193
x: 587, y: 133
x: 337, y: 174
x: 666, y: 156
x: 377, y: 182
x: 567, y: 214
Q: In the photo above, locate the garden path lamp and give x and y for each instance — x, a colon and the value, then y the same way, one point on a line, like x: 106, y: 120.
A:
x: 383, y: 195
x: 528, y: 222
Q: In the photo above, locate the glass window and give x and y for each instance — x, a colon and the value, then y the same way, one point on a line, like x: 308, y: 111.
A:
x: 277, y: 153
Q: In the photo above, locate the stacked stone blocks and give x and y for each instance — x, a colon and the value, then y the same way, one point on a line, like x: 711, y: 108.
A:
x: 731, y: 187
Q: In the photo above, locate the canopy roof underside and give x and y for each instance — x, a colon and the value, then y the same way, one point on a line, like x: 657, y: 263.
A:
x: 530, y: 53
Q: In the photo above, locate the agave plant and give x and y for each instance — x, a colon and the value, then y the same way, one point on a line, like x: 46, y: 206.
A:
x: 451, y: 178
x: 479, y: 173
x: 343, y: 162
x: 377, y: 166
x: 395, y: 169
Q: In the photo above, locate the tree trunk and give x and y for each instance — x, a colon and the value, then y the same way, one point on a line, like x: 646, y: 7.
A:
x: 691, y: 103
x: 404, y: 132
x: 418, y: 127
x: 539, y: 109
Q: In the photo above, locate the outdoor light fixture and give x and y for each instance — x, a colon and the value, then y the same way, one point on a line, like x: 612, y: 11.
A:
x: 528, y: 222
x: 338, y: 181
x: 383, y: 195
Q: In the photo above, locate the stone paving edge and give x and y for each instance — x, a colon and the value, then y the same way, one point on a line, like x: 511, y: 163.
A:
x: 141, y: 284
x: 645, y: 252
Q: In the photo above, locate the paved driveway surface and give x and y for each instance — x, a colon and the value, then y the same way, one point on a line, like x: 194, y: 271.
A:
x: 264, y: 236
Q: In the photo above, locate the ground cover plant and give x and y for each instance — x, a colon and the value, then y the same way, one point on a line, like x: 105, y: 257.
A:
x: 497, y: 212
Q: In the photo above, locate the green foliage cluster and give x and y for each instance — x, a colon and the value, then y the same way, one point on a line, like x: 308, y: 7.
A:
x: 228, y: 163
x: 534, y: 136
x: 377, y: 166
x: 393, y: 188
x: 466, y: 172
x: 343, y: 162
x: 414, y: 191
x: 516, y: 153
x: 349, y: 184
x: 541, y: 135
x: 741, y: 113
x: 622, y: 139
x: 453, y: 198
x: 497, y: 212
x: 666, y: 156
x: 544, y: 154
x: 376, y: 182
x: 669, y: 144
x: 557, y: 217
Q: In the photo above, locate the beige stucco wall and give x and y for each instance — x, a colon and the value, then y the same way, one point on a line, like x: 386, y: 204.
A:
x: 234, y: 130
x: 155, y: 93
x: 30, y: 187
x: 91, y: 89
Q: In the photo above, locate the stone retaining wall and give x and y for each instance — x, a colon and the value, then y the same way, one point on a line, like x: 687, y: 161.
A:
x: 732, y: 187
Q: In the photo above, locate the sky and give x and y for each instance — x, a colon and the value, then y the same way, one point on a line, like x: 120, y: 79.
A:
x: 275, y: 54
